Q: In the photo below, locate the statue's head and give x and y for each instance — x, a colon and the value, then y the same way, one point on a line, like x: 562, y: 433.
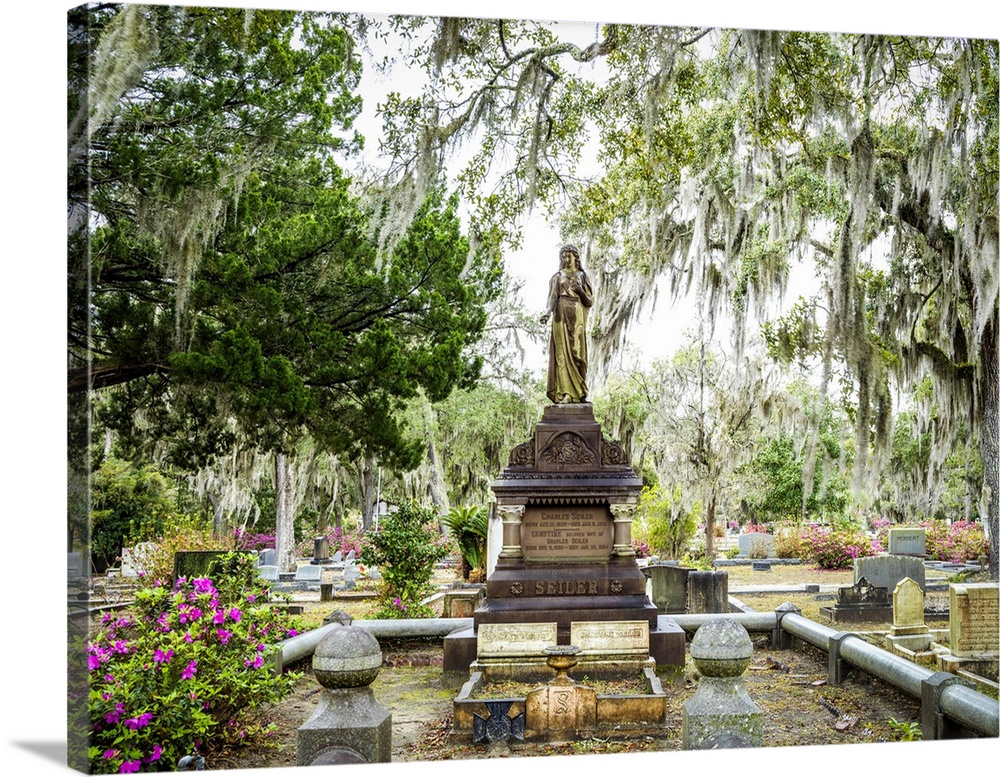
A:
x: 568, y: 253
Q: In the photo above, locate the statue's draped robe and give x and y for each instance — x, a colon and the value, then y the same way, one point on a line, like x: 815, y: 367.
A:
x: 568, y: 338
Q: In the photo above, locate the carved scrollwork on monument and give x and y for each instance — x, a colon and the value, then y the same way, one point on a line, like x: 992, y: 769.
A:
x: 568, y: 449
x: 523, y: 455
x: 612, y: 454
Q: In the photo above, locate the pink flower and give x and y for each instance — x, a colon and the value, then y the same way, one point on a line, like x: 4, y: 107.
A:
x: 129, y: 766
x: 235, y: 614
x: 189, y: 671
x: 155, y: 756
x: 256, y: 663
x: 159, y: 657
x: 223, y: 635
x: 109, y: 754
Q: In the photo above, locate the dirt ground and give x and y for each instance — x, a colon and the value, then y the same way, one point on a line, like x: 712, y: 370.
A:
x: 790, y: 687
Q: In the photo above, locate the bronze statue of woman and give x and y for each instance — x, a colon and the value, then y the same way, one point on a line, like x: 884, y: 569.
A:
x: 570, y: 296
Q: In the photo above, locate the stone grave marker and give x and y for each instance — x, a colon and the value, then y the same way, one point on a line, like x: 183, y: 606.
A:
x: 134, y: 559
x: 669, y: 584
x: 321, y: 550
x: 514, y: 651
x: 973, y: 619
x: 350, y: 556
x: 611, y: 648
x: 75, y: 566
x: 886, y: 571
x: 308, y: 573
x: 756, y: 545
x: 514, y: 640
x: 351, y: 574
x: 861, y: 602
x: 908, y: 608
x: 907, y: 541
x: 268, y: 572
x: 338, y: 557
x: 267, y: 557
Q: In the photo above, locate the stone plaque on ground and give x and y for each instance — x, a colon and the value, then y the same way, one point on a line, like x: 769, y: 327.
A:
x: 514, y: 640
x: 606, y: 638
x: 887, y: 571
x: 974, y: 614
x: 756, y: 545
x: 907, y: 541
x: 579, y: 534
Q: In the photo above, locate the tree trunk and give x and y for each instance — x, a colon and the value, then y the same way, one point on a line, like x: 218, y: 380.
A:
x: 989, y: 392
x: 218, y: 518
x: 367, y: 493
x: 710, y: 528
x: 284, y: 519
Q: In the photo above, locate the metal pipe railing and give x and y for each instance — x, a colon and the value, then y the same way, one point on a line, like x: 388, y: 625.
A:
x: 963, y: 704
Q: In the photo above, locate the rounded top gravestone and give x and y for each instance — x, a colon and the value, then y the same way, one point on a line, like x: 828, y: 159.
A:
x: 347, y: 657
x: 721, y: 648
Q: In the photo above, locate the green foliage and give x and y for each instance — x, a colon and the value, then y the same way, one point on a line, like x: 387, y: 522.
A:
x: 789, y: 542
x: 669, y: 524
x: 180, y: 533
x: 906, y: 731
x: 405, y: 549
x: 129, y: 504
x: 186, y: 671
x: 469, y: 527
x: 239, y: 289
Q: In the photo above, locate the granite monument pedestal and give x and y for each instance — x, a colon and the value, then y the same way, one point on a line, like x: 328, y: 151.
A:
x: 566, y: 500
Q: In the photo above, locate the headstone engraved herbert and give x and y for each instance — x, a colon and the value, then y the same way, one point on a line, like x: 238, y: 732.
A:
x: 907, y: 541
x: 973, y: 619
x: 565, y: 503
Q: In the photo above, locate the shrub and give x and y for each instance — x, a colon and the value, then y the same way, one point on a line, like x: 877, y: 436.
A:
x: 181, y: 533
x: 244, y: 540
x: 962, y: 541
x: 184, y: 671
x: 339, y: 539
x: 469, y: 527
x: 670, y: 526
x: 837, y: 548
x: 405, y: 548
x: 789, y: 543
x: 130, y: 504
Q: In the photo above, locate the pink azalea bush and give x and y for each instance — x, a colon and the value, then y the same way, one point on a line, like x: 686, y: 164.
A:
x: 962, y: 541
x: 837, y: 547
x: 184, y: 671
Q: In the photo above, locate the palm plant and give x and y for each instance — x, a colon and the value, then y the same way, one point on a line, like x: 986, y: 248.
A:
x: 469, y: 527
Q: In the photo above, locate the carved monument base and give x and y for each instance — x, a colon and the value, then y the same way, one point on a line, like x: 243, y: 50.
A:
x: 567, y: 499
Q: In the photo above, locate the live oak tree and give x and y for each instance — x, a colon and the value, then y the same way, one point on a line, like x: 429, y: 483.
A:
x: 226, y: 286
x: 726, y: 156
